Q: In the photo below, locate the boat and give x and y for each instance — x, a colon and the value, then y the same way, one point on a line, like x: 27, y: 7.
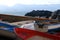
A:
x: 12, y: 27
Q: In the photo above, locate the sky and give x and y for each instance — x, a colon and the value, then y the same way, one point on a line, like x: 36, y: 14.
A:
x: 28, y: 2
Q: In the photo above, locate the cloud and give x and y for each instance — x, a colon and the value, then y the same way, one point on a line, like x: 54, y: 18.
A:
x: 39, y: 1
x: 28, y: 2
x: 7, y: 2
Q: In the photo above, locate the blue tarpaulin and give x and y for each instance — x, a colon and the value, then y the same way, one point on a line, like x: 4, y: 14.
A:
x: 6, y: 27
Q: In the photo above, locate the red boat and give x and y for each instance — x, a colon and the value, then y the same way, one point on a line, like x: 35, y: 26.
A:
x: 27, y: 34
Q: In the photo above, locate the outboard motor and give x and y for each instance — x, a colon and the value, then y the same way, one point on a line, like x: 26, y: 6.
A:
x: 41, y: 27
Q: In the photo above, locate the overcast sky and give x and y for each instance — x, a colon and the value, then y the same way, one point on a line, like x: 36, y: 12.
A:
x: 28, y: 2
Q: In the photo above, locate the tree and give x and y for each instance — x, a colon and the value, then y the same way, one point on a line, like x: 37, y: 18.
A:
x: 39, y: 13
x: 56, y: 14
